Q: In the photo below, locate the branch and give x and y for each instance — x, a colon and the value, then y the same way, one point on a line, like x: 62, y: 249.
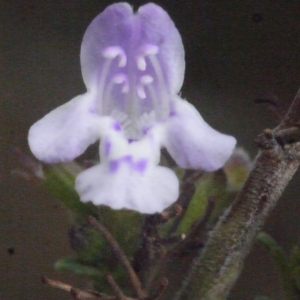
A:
x: 93, y: 295
x: 293, y: 115
x: 219, y: 264
x: 75, y: 292
x: 135, y: 283
x: 187, y: 191
x: 117, y: 290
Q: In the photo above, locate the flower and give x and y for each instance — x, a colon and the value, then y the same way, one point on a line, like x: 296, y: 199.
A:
x: 133, y: 68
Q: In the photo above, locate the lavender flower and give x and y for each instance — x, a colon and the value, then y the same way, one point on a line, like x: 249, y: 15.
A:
x: 133, y: 67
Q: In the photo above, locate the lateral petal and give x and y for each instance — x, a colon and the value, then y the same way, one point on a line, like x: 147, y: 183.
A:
x: 66, y: 132
x: 192, y: 143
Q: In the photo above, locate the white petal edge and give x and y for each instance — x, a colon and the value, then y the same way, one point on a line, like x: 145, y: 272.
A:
x: 192, y: 143
x: 66, y: 132
x: 147, y: 193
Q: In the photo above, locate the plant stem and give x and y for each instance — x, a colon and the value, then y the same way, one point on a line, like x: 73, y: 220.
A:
x: 220, y: 262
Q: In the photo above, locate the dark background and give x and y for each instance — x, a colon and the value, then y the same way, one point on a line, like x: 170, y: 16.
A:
x: 236, y: 51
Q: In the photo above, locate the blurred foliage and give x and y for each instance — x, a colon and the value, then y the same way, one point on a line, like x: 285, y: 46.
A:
x: 287, y: 267
x: 262, y: 298
x: 93, y: 256
x: 221, y: 185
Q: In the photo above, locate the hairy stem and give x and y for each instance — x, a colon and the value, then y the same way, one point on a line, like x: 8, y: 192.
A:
x: 219, y: 263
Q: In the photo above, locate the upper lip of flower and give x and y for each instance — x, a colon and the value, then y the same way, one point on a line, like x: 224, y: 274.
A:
x: 134, y: 63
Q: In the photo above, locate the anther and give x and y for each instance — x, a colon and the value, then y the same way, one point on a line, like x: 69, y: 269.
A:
x: 146, y: 79
x: 114, y: 51
x: 122, y: 78
x: 145, y: 50
x: 149, y: 49
x: 141, y: 62
x: 140, y: 91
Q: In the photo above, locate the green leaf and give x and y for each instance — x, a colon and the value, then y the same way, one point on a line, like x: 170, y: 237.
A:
x: 60, y: 180
x: 72, y: 264
x: 282, y: 265
x: 210, y: 185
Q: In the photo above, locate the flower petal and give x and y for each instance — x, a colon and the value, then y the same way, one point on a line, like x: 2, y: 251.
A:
x: 147, y: 192
x: 65, y: 132
x: 192, y: 143
x: 158, y: 29
x: 110, y: 28
x: 118, y: 27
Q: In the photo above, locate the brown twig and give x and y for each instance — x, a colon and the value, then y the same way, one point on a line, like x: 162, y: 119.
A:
x: 135, y: 282
x: 274, y: 105
x: 292, y: 117
x: 75, y: 292
x: 116, y: 289
x: 194, y: 239
x: 161, y: 288
x: 151, y: 250
x: 57, y: 284
x: 93, y: 295
x: 153, y: 247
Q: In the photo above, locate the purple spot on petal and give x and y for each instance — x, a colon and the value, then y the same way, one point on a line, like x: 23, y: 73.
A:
x: 117, y: 126
x: 127, y: 159
x: 93, y: 110
x: 145, y: 130
x: 131, y: 140
x: 172, y: 113
x: 140, y: 165
x: 107, y: 147
x: 114, y: 165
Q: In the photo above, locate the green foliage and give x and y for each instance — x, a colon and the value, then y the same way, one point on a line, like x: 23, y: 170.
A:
x: 93, y: 256
x: 60, y: 180
x: 288, y: 268
x: 72, y: 264
x: 221, y: 185
x: 210, y: 185
x: 295, y: 266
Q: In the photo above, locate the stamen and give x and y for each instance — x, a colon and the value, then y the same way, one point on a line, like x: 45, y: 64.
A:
x: 154, y: 98
x: 144, y: 80
x: 119, y: 78
x: 162, y: 87
x: 135, y: 85
x: 122, y: 78
x: 101, y: 83
x: 141, y: 62
x: 149, y: 49
x: 140, y: 91
x: 160, y: 92
x: 114, y: 51
x: 110, y: 53
x: 145, y: 50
